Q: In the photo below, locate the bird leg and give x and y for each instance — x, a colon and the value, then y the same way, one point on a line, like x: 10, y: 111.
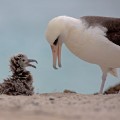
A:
x: 103, y: 82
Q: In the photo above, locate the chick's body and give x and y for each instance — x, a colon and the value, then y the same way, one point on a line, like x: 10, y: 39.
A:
x: 21, y: 81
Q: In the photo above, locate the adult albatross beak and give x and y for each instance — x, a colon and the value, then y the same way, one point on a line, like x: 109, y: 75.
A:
x: 56, y: 52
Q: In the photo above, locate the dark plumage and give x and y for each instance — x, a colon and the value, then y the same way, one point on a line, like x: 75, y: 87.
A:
x: 111, y: 24
x: 20, y: 83
x: 113, y: 90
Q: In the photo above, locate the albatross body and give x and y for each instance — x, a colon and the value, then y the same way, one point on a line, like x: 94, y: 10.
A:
x: 93, y: 39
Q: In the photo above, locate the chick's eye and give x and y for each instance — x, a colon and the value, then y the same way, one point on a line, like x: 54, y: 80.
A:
x: 23, y: 60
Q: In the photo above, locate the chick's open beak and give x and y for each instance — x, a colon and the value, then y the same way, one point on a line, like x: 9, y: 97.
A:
x: 29, y: 63
x: 56, y: 53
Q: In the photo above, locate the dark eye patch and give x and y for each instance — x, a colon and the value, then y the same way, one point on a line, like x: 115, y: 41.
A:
x: 56, y: 41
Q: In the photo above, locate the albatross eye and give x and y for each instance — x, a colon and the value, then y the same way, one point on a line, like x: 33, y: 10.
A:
x: 56, y: 41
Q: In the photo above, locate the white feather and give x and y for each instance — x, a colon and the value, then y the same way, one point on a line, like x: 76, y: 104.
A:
x: 87, y: 43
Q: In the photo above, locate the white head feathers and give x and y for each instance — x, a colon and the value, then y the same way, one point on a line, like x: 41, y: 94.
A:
x: 55, y: 27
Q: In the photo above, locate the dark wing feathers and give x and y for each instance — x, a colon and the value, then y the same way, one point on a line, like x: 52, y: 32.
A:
x: 112, y: 25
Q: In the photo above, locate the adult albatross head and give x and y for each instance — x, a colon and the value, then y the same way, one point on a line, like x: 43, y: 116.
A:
x: 55, y: 34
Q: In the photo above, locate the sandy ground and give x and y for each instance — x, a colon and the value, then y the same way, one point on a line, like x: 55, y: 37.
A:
x: 60, y: 106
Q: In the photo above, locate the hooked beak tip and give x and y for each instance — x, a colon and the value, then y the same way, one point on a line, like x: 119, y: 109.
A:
x: 55, y: 67
x: 35, y: 61
x: 34, y: 67
x: 60, y: 65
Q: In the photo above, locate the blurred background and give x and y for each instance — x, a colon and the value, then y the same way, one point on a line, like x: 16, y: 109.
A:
x: 22, y: 30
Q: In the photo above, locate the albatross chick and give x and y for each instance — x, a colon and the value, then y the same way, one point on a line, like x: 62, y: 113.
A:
x: 21, y: 81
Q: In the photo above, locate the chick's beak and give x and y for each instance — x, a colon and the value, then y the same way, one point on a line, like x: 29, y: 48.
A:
x: 56, y: 53
x: 29, y: 63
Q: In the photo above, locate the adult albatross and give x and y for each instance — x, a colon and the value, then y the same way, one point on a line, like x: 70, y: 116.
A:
x: 93, y: 39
